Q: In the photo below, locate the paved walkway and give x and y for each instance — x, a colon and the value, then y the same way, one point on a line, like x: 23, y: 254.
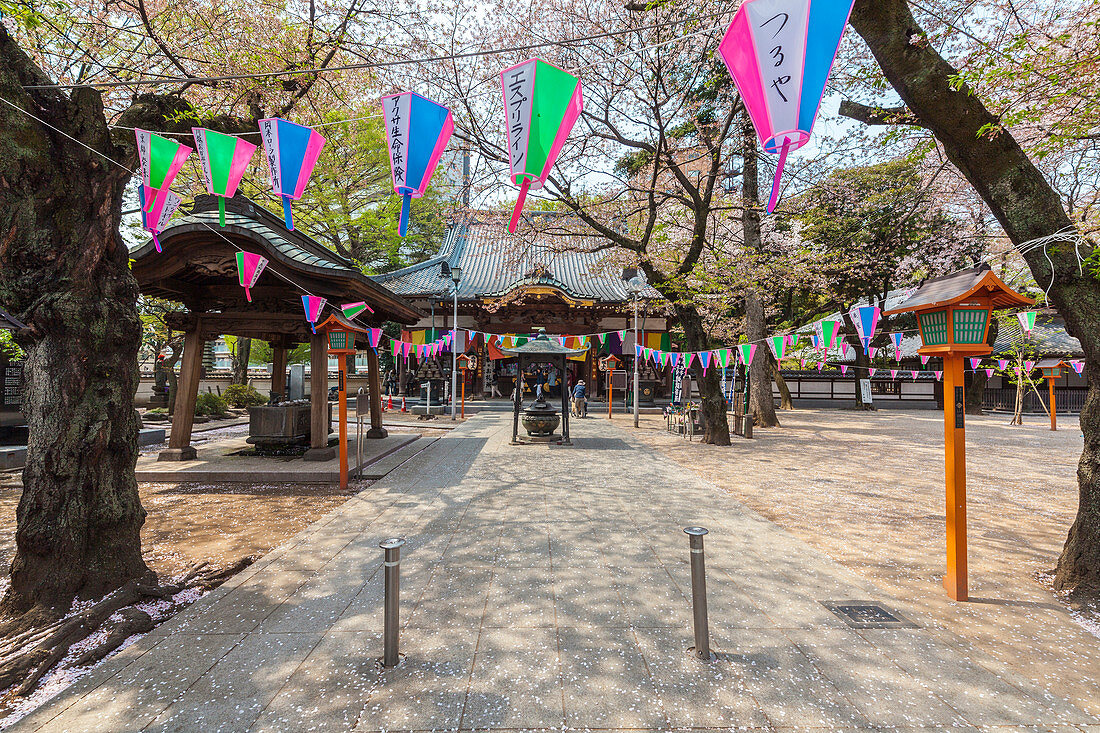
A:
x: 543, y: 587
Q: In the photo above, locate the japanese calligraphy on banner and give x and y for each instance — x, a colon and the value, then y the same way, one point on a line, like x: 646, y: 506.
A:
x: 417, y: 132
x: 395, y: 112
x: 519, y: 88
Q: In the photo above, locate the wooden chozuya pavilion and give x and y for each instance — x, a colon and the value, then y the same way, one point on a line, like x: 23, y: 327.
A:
x: 198, y: 268
x: 559, y: 282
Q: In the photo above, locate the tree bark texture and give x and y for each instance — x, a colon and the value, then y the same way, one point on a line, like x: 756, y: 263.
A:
x: 1027, y: 208
x: 761, y: 402
x: 785, y: 401
x: 242, y: 352
x: 716, y: 429
x: 64, y: 270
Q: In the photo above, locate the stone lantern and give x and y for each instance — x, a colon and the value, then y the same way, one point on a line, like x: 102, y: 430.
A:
x: 953, y: 314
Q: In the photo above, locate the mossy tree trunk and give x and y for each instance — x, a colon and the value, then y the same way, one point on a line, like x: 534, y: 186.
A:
x: 1026, y: 207
x: 64, y: 270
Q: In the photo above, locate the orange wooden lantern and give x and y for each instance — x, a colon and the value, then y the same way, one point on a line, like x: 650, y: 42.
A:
x: 466, y: 362
x: 1052, y: 370
x: 609, y: 364
x: 953, y: 313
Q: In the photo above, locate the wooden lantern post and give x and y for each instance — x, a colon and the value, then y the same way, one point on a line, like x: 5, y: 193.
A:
x: 466, y: 362
x: 1052, y: 370
x: 608, y: 364
x: 341, y: 335
x: 953, y: 313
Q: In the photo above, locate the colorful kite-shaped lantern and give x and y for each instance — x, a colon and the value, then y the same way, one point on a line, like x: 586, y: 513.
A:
x: 866, y: 320
x: 292, y: 151
x: 747, y: 352
x: 160, y: 160
x: 780, y: 53
x: 313, y: 306
x: 778, y: 346
x: 896, y: 339
x: 158, y: 216
x: 541, y: 103
x: 417, y: 130
x: 249, y: 267
x: 224, y: 161
x: 351, y: 310
x: 1027, y: 321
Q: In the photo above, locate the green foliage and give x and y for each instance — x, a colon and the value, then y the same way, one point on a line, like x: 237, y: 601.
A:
x: 157, y: 411
x: 243, y: 395
x: 8, y: 347
x: 211, y: 405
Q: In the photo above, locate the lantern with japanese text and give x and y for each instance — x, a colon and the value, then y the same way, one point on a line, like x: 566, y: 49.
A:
x: 417, y: 132
x: 291, y: 151
x: 541, y: 103
x: 159, y: 159
x: 780, y: 53
x: 224, y: 161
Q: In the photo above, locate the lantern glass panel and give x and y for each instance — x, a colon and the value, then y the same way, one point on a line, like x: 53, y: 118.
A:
x: 933, y: 328
x: 970, y: 325
x: 338, y: 340
x: 1052, y: 372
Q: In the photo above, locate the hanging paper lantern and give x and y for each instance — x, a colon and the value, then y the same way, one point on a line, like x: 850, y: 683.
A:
x: 160, y: 159
x: 801, y: 363
x: 351, y: 310
x: 224, y: 162
x: 1027, y: 322
x: 313, y: 306
x: 704, y: 361
x: 871, y: 372
x: 779, y: 53
x: 989, y: 373
x: 820, y: 365
x: 829, y: 328
x: 914, y: 373
x: 541, y: 103
x: 417, y: 131
x: 896, y: 338
x: 778, y: 346
x: 292, y: 151
x: 249, y: 267
x: 974, y: 362
x: 843, y: 368
x: 893, y: 374
x: 873, y: 352
x: 1002, y: 363
x: 1029, y: 366
x: 161, y: 213
x: 924, y: 359
x: 939, y: 375
x: 866, y: 320
x: 843, y: 349
x: 1078, y: 366
x: 747, y: 351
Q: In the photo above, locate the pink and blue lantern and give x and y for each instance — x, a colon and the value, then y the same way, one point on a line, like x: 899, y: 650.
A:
x: 292, y: 151
x: 780, y: 53
x: 866, y: 320
x: 313, y: 306
x: 164, y: 206
x: 417, y: 131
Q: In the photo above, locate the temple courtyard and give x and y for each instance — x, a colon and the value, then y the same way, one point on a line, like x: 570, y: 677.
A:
x: 547, y: 587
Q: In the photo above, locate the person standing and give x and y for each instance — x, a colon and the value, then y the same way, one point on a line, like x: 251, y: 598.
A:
x: 580, y: 401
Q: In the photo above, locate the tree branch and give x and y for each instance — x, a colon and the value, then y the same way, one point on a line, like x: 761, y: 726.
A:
x: 878, y: 115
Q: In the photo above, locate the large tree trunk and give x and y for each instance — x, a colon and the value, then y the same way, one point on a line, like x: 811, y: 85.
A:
x: 242, y: 351
x: 785, y: 401
x: 716, y: 429
x: 1027, y: 208
x: 63, y: 270
x: 761, y: 403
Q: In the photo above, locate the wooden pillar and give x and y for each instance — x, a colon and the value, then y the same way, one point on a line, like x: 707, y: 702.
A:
x: 954, y: 433
x: 1053, y: 406
x: 278, y: 370
x: 375, y: 388
x: 187, y: 390
x: 318, y: 395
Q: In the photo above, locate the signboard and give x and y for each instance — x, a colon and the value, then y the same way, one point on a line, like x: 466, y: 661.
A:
x: 865, y: 390
x: 618, y: 379
x: 678, y: 374
x: 960, y: 408
x: 11, y: 382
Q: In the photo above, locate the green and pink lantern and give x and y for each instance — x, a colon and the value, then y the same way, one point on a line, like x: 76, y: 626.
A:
x: 417, y: 132
x: 159, y: 159
x: 291, y: 151
x: 249, y: 267
x: 351, y: 310
x: 164, y: 206
x: 780, y: 53
x: 224, y: 162
x: 541, y: 104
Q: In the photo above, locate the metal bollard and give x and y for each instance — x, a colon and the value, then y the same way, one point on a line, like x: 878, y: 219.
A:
x: 392, y: 564
x: 699, y: 594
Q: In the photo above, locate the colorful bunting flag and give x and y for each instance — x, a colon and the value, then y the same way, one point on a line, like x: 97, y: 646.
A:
x: 924, y: 359
x: 1002, y: 363
x: 865, y: 319
x: 914, y: 373
x: 249, y: 267
x: 1078, y: 366
x: 160, y: 214
x: 704, y: 360
x: 896, y: 338
x: 974, y: 362
x: 778, y: 346
x: 843, y: 368
x: 292, y: 151
x: 871, y: 372
x: 829, y: 328
x: 893, y: 374
x: 939, y: 375
x: 541, y: 103
x: 989, y: 372
x: 747, y: 352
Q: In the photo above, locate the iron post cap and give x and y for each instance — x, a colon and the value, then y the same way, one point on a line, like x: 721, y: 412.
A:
x: 695, y: 531
x: 392, y: 543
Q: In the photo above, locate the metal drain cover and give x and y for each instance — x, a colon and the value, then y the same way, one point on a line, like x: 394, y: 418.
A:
x: 868, y: 615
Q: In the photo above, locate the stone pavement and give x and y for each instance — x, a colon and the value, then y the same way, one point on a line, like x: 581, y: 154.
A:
x: 543, y: 587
